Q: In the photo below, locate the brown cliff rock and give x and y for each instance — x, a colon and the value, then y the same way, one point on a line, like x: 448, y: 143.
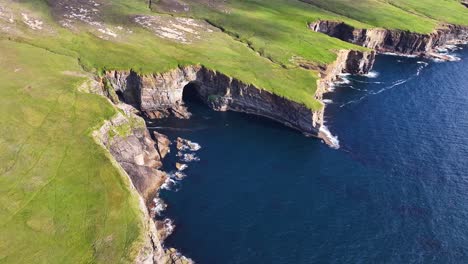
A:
x: 161, y: 94
x: 129, y: 142
x: 397, y: 41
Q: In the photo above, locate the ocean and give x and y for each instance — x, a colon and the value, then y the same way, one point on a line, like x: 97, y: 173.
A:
x: 396, y: 191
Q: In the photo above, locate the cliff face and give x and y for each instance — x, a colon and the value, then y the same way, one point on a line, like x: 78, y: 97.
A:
x: 347, y: 61
x: 398, y: 41
x: 130, y: 143
x: 159, y: 95
x: 131, y: 146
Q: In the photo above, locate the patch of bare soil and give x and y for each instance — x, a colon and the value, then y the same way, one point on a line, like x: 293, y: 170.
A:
x: 179, y: 29
x: 184, y: 6
x: 20, y: 21
x: 74, y: 14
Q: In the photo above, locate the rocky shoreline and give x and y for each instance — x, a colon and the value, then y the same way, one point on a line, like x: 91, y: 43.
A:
x: 402, y: 43
x: 141, y: 154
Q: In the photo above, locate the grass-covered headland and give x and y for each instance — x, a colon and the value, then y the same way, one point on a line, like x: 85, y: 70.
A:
x: 61, y: 199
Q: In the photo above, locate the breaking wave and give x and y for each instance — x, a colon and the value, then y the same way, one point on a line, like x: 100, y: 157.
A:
x: 169, y: 183
x: 372, y: 74
x: 333, y: 140
x: 399, y: 55
x: 158, y: 206
x: 396, y: 83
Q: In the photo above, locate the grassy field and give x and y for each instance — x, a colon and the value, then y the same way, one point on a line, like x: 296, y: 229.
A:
x: 61, y: 199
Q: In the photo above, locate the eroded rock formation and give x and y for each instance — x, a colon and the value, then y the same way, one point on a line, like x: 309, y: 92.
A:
x: 159, y: 95
x: 398, y: 41
x: 128, y: 141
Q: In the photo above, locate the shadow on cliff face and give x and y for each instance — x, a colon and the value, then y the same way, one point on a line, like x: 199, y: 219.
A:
x: 191, y: 95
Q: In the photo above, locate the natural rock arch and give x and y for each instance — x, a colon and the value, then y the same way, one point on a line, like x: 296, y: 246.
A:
x: 159, y: 95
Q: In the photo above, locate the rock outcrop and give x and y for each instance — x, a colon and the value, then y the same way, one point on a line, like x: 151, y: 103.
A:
x: 397, y: 41
x: 161, y: 94
x: 132, y: 148
x: 129, y: 142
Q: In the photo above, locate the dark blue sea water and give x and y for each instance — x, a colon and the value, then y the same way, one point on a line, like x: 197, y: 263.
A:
x: 395, y: 192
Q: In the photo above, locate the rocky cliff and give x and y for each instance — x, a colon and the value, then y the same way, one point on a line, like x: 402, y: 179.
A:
x: 397, y: 41
x: 133, y: 150
x: 130, y: 143
x: 347, y: 61
x: 159, y: 95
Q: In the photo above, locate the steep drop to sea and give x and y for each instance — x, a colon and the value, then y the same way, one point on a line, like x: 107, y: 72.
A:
x: 395, y: 192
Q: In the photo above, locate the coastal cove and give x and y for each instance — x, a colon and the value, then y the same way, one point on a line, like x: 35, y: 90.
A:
x: 240, y: 131
x: 394, y: 191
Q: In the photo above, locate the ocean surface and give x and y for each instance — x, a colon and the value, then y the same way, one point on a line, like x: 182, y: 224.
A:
x: 396, y: 191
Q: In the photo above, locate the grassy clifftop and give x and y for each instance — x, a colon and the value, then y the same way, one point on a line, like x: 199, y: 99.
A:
x: 61, y: 199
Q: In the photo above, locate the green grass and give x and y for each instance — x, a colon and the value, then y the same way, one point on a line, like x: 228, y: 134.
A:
x: 450, y: 11
x: 378, y: 13
x: 61, y: 199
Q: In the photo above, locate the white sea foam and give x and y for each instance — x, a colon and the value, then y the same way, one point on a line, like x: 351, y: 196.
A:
x: 343, y: 78
x: 393, y: 85
x: 327, y: 101
x: 187, y: 145
x: 399, y: 54
x: 359, y: 81
x: 189, y: 157
x: 183, y: 167
x: 357, y: 89
x: 335, y: 143
x: 168, y: 226
x: 159, y: 206
x: 372, y: 74
x: 169, y: 183
x: 179, y: 175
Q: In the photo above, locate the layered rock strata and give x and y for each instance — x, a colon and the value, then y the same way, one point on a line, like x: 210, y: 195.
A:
x: 378, y: 40
x: 347, y: 61
x: 140, y: 157
x: 392, y: 40
x: 159, y: 95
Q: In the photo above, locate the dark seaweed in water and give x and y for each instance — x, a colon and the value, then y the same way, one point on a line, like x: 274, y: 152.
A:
x: 396, y: 191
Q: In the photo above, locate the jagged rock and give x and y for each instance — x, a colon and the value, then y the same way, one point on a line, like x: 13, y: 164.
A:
x: 180, y: 175
x: 162, y: 144
x: 134, y: 150
x: 185, y: 144
x: 180, y: 166
x: 165, y: 228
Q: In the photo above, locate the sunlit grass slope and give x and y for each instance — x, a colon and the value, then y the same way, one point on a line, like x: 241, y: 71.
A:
x: 61, y: 199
